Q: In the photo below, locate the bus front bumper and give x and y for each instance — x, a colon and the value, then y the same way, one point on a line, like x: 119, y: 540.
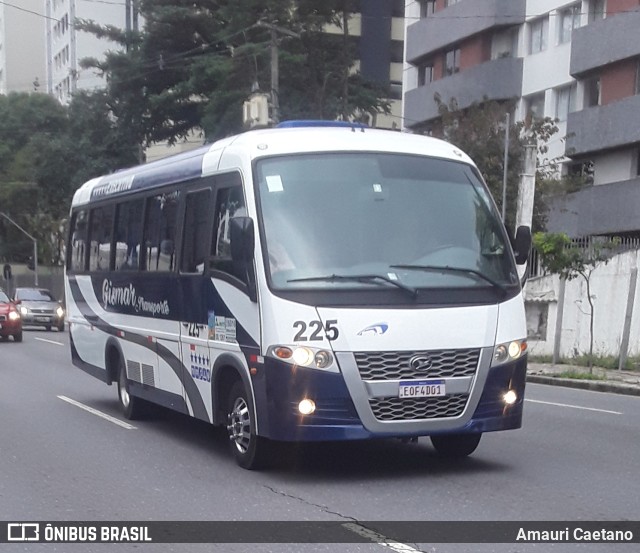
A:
x: 280, y: 388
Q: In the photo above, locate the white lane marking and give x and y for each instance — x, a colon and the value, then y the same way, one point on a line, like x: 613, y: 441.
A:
x: 98, y: 413
x: 380, y: 539
x: 575, y: 406
x: 49, y: 341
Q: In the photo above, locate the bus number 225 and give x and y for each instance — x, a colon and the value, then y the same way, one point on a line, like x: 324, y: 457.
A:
x: 310, y: 332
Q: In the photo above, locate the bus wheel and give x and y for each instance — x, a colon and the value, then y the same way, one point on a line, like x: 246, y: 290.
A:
x: 132, y: 406
x: 456, y: 445
x: 249, y: 450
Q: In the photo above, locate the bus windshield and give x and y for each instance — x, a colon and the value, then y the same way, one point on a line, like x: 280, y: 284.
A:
x: 365, y: 220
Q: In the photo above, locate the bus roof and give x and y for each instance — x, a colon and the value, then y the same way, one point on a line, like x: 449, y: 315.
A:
x: 262, y: 143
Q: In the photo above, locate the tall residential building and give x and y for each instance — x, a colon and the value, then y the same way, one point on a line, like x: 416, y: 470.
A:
x: 379, y: 28
x: 576, y: 61
x: 66, y: 46
x: 22, y: 47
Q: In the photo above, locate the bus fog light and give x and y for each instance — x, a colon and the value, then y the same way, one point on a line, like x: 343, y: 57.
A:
x: 510, y: 397
x: 303, y: 356
x: 306, y: 406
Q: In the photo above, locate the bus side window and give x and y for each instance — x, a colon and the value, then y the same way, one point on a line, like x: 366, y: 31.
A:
x: 77, y: 253
x: 101, y: 228
x: 229, y: 203
x: 194, y: 243
x: 128, y: 235
x: 160, y: 232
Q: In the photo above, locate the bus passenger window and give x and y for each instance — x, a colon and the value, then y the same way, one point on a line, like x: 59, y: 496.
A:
x: 128, y: 235
x: 195, y: 244
x: 229, y: 204
x: 78, y: 248
x: 160, y: 232
x: 100, y: 238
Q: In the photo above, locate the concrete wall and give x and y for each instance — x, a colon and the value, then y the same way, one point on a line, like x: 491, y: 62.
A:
x: 609, y: 288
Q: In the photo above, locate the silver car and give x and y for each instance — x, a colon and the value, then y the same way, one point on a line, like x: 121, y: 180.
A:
x: 38, y: 307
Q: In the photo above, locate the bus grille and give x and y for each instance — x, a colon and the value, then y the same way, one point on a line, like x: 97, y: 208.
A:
x: 395, y: 365
x: 398, y: 409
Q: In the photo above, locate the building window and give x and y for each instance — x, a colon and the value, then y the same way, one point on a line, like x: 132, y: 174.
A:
x: 565, y: 101
x: 450, y: 3
x: 535, y: 105
x: 597, y: 10
x: 592, y: 92
x: 425, y: 74
x: 427, y: 8
x: 569, y: 20
x: 637, y: 87
x: 538, y: 33
x: 452, y: 61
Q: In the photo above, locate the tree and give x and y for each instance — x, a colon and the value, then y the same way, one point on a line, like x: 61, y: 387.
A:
x: 558, y: 255
x: 48, y: 151
x: 197, y: 61
x: 479, y: 131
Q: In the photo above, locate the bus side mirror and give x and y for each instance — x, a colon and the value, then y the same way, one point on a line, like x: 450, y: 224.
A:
x: 522, y: 245
x: 242, y: 237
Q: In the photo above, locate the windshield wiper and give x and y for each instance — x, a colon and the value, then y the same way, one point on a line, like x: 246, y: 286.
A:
x: 369, y: 279
x: 447, y: 269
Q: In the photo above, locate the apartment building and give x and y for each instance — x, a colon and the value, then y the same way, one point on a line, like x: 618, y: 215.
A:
x: 379, y: 27
x: 66, y: 46
x: 22, y: 47
x: 576, y: 61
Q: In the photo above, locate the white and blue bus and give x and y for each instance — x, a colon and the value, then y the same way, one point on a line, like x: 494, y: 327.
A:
x: 306, y: 283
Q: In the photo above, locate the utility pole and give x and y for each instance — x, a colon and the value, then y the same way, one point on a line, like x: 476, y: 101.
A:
x: 35, y: 244
x: 275, y: 68
x: 506, y: 168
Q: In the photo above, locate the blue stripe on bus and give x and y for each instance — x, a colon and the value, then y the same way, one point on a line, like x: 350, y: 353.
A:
x: 197, y: 403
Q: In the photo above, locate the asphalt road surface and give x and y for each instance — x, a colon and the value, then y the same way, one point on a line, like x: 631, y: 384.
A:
x: 577, y: 458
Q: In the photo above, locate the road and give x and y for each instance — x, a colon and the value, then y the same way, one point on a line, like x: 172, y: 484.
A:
x: 576, y: 458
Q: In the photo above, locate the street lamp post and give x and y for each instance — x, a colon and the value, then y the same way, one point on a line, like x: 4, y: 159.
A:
x: 35, y: 244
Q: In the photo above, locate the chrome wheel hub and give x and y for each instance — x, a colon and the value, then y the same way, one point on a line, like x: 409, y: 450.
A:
x: 239, y: 426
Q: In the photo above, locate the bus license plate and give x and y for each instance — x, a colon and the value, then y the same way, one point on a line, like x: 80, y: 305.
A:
x: 422, y: 388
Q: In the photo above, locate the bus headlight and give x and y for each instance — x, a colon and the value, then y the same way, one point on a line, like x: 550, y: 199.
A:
x: 304, y: 356
x: 509, y: 351
x: 14, y: 315
x: 24, y: 310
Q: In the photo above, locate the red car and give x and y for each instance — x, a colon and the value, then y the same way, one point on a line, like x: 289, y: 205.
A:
x: 10, y: 320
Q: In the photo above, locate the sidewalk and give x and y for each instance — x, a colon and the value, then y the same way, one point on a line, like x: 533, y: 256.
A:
x: 618, y: 382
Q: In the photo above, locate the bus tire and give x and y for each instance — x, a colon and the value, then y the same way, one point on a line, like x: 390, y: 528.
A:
x: 249, y: 449
x: 17, y: 337
x: 132, y: 406
x: 456, y: 445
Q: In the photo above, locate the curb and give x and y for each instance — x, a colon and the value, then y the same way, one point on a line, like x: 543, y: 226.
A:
x: 593, y: 385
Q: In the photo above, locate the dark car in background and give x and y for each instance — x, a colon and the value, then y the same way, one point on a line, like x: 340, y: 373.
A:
x: 10, y: 320
x: 39, y: 307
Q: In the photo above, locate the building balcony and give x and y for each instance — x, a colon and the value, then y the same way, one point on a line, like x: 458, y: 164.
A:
x: 460, y: 21
x: 597, y: 210
x: 499, y: 79
x: 604, y: 127
x: 604, y: 42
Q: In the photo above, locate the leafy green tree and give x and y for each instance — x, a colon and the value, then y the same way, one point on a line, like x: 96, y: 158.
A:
x: 48, y: 151
x: 558, y: 255
x: 479, y: 130
x: 197, y: 61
